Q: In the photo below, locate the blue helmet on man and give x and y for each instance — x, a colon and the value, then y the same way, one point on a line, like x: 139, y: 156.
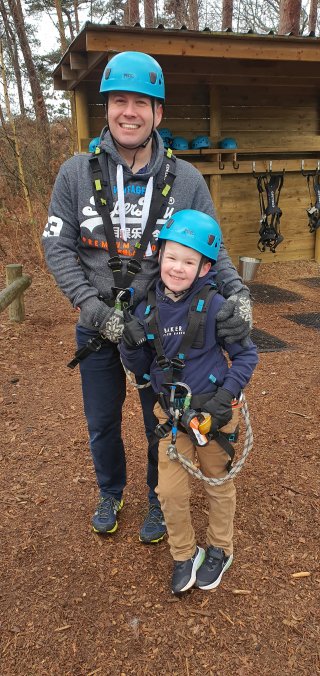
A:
x: 134, y: 72
x: 194, y: 229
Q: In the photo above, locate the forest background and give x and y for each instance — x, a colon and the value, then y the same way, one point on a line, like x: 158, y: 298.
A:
x: 37, y: 131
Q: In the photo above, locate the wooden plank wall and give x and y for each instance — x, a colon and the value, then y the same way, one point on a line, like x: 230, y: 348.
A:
x: 274, y: 118
x: 256, y: 117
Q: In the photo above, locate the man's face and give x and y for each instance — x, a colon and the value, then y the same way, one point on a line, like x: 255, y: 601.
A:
x: 130, y: 117
x: 179, y: 266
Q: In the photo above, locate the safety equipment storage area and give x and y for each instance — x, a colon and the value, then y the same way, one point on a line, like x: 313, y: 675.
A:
x: 244, y: 105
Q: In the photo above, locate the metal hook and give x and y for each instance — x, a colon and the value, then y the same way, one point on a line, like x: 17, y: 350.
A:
x: 235, y: 163
x: 221, y: 164
x: 302, y: 165
x: 270, y: 166
x: 253, y: 167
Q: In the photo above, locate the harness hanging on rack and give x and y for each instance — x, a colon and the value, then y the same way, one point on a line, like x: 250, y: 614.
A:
x: 270, y: 184
x: 314, y: 209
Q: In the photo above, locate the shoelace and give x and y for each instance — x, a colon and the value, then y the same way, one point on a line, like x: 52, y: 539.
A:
x: 213, y: 558
x: 155, y: 515
x: 105, y: 505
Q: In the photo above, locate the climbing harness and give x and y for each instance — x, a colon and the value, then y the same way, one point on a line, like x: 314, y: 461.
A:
x: 174, y: 454
x: 158, y: 201
x: 180, y: 404
x: 269, y: 185
x: 314, y: 209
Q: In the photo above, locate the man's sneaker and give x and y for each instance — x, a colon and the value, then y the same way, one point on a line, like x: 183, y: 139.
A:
x: 153, y: 528
x: 184, y: 572
x: 215, y: 564
x: 104, y: 519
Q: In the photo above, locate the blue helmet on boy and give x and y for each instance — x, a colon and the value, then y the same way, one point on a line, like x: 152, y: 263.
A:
x: 133, y: 72
x: 194, y: 229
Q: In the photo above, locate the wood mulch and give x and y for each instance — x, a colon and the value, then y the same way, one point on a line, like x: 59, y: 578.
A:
x: 76, y: 604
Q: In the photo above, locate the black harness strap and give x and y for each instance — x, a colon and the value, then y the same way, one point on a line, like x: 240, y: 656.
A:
x: 104, y: 205
x: 271, y: 184
x: 194, y: 335
x: 314, y: 209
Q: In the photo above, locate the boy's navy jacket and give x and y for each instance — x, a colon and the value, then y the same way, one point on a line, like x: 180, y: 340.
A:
x: 202, y: 365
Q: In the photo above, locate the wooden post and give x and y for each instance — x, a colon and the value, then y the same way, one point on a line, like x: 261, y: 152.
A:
x: 215, y: 134
x: 317, y: 246
x: 82, y: 115
x: 16, y: 307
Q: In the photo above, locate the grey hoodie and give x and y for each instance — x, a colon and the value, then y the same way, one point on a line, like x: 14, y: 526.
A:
x: 74, y: 240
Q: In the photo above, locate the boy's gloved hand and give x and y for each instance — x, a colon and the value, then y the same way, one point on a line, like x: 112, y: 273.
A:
x: 186, y: 418
x: 220, y: 408
x: 133, y: 333
x: 113, y: 328
x: 234, y: 319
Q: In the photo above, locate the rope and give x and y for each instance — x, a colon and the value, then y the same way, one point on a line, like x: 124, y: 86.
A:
x: 132, y: 382
x: 196, y: 472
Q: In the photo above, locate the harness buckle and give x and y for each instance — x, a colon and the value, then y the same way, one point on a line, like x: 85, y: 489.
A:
x: 115, y: 264
x: 133, y: 266
x: 177, y: 363
x: 163, y: 362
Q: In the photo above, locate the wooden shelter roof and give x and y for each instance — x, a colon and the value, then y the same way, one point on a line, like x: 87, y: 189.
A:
x: 202, y: 57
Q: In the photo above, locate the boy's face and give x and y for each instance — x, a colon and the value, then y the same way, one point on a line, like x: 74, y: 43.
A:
x: 130, y: 117
x: 179, y: 266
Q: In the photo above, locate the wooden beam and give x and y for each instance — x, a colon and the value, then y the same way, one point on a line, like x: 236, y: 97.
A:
x: 82, y: 114
x: 66, y: 73
x: 78, y: 61
x: 214, y: 46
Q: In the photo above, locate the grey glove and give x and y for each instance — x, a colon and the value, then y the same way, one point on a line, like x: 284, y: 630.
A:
x: 234, y: 319
x: 113, y: 329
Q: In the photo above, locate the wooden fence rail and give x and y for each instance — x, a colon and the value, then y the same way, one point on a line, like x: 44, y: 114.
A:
x: 12, y: 295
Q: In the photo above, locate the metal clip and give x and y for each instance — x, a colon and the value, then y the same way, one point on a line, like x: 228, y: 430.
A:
x: 235, y: 162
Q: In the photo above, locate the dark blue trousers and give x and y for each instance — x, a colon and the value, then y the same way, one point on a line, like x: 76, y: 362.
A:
x: 104, y: 392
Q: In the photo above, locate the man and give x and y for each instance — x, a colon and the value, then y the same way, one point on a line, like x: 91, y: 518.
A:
x: 101, y: 237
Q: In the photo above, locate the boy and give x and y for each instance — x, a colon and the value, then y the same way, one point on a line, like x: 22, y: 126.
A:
x: 170, y: 341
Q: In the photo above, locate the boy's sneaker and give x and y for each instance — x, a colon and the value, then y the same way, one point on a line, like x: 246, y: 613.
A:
x: 215, y: 564
x: 153, y: 528
x: 184, y: 572
x: 104, y: 519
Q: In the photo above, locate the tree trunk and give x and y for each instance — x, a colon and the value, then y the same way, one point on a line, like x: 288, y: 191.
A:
x: 227, y: 14
x: 133, y: 11
x: 289, y: 17
x: 194, y: 15
x: 13, y: 52
x: 313, y: 15
x: 62, y: 34
x: 149, y: 13
x: 76, y: 14
x: 36, y: 92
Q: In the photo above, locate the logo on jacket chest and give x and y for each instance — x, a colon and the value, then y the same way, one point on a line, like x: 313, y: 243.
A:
x: 173, y: 331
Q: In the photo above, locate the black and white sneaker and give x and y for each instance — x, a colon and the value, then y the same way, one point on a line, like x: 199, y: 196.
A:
x: 184, y: 572
x: 215, y: 564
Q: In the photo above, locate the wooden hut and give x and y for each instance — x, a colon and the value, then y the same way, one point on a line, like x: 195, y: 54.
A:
x: 263, y: 90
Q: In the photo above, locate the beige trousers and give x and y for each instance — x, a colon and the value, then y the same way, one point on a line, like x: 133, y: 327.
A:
x: 174, y: 488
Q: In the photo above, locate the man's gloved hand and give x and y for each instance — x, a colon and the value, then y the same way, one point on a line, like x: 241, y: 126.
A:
x: 113, y: 328
x: 133, y: 334
x: 220, y: 408
x: 234, y: 319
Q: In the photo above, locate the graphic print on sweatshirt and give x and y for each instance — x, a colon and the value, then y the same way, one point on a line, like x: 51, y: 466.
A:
x: 92, y: 232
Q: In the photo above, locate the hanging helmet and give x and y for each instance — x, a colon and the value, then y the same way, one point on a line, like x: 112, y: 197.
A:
x: 166, y: 133
x: 228, y: 142
x: 200, y: 142
x: 93, y: 144
x: 133, y: 72
x: 180, y: 143
x: 195, y: 230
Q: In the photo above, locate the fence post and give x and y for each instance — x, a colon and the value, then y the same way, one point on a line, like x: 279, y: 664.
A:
x: 16, y: 308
